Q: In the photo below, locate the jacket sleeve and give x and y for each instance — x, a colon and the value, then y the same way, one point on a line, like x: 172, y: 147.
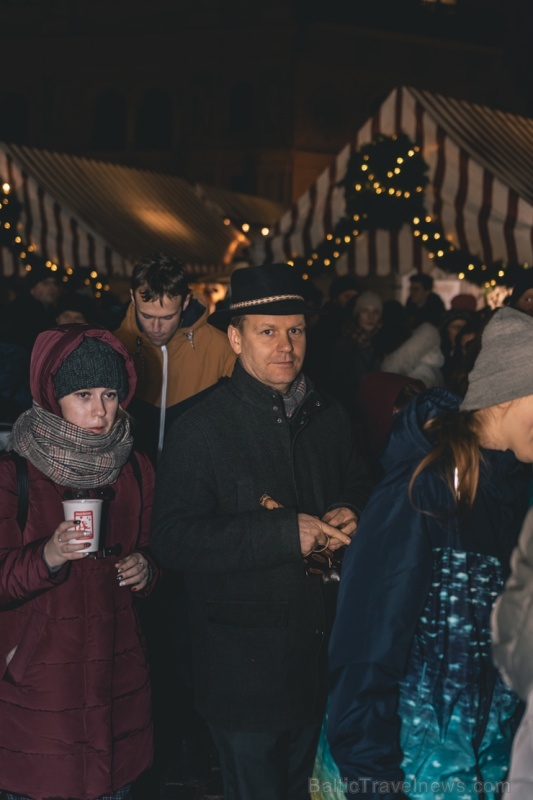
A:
x: 23, y: 572
x: 189, y: 530
x: 512, y: 617
x: 385, y: 582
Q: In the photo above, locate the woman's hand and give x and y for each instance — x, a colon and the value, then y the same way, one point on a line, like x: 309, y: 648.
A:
x: 133, y: 571
x: 61, y: 548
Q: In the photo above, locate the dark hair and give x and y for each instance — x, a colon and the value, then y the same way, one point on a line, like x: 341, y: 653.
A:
x: 159, y: 275
x: 426, y: 281
x: 237, y: 321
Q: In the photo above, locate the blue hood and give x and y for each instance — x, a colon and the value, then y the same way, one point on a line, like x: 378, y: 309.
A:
x: 408, y: 443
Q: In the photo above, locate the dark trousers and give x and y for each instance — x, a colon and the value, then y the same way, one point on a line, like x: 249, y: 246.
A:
x: 271, y: 765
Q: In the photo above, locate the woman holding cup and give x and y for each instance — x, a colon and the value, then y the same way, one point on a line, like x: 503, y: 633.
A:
x: 74, y: 684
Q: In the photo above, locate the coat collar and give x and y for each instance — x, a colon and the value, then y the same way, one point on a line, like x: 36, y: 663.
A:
x: 264, y: 397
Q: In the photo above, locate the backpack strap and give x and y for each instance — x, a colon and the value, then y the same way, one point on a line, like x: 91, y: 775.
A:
x: 23, y: 489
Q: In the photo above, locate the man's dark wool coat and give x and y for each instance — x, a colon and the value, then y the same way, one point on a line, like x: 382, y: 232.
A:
x: 257, y: 619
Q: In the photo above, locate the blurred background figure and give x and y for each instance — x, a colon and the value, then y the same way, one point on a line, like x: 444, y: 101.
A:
x: 73, y: 307
x: 423, y: 304
x: 454, y: 321
x: 34, y: 308
x: 420, y: 356
x: 322, y: 338
x: 464, y: 302
x: 15, y: 396
x: 380, y: 396
x: 467, y: 346
x: 522, y: 295
x: 355, y: 354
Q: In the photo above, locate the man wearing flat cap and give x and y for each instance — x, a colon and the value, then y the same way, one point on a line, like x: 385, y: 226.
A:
x: 255, y: 482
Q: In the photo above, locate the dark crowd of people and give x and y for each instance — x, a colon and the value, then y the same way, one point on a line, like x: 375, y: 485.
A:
x: 314, y: 567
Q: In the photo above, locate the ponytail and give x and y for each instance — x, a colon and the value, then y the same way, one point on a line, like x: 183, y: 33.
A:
x: 457, y: 448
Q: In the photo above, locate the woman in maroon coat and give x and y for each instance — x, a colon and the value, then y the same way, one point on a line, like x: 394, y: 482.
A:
x: 74, y: 686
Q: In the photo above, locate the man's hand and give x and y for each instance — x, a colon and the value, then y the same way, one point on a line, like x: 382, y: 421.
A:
x: 317, y: 533
x: 344, y: 520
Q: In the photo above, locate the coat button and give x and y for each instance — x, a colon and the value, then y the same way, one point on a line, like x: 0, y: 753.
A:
x: 279, y: 419
x: 275, y: 408
x: 317, y: 403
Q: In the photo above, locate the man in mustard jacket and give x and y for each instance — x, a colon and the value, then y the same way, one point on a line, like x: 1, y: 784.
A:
x: 176, y: 353
x: 178, y: 358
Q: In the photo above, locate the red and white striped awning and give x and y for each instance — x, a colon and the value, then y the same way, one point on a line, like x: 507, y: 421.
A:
x: 481, y: 188
x: 81, y: 212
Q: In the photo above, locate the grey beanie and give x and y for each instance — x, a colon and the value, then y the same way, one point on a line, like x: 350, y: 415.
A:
x: 91, y: 365
x: 502, y: 369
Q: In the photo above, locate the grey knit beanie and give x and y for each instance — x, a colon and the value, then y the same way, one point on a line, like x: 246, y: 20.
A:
x: 502, y: 370
x: 91, y: 365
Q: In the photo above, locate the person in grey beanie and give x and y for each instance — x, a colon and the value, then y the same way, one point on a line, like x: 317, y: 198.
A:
x: 415, y: 700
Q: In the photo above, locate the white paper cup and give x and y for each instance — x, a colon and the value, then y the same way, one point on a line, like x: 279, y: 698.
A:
x: 89, y: 513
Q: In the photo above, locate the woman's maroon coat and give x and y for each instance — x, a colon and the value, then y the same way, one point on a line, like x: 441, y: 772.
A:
x: 74, y: 688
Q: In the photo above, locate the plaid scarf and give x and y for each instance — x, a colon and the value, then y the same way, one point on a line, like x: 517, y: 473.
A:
x: 69, y: 455
x: 295, y: 395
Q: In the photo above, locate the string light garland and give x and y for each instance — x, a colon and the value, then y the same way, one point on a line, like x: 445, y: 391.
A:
x: 384, y: 188
x: 12, y: 239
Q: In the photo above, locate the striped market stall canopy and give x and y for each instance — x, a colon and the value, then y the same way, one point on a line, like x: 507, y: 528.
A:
x: 78, y: 212
x: 480, y: 188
